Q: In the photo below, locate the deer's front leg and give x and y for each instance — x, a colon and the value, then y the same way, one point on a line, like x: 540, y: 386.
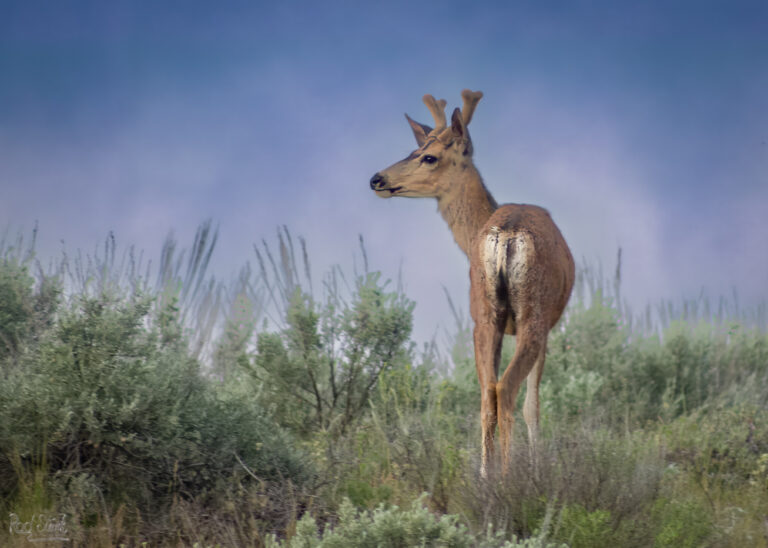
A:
x: 488, y: 334
x: 487, y: 347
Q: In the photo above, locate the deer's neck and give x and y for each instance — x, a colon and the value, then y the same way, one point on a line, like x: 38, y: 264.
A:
x: 467, y: 207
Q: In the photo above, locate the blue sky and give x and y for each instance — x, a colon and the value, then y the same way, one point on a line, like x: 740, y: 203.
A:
x: 641, y: 125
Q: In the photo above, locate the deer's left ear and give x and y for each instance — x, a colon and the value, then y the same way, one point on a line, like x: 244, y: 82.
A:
x: 458, y: 127
x: 420, y: 131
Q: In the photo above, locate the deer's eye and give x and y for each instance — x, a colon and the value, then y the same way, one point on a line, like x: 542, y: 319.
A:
x: 429, y: 159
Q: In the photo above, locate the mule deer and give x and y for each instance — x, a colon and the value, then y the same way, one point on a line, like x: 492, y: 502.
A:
x: 521, y: 270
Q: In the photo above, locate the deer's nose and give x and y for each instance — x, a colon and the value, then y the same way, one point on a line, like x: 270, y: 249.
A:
x: 376, y: 181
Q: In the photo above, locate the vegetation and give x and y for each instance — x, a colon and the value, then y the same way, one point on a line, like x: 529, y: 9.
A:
x: 172, y: 409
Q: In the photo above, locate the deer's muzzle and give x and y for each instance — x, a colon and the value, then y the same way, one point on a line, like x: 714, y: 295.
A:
x: 377, y: 182
x: 380, y: 185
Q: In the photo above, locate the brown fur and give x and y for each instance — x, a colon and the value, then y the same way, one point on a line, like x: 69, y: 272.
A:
x: 521, y: 270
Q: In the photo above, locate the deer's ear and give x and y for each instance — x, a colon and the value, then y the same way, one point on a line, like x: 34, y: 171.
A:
x: 420, y: 131
x: 458, y: 127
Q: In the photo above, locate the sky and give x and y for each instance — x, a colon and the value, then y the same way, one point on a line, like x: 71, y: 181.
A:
x: 637, y: 125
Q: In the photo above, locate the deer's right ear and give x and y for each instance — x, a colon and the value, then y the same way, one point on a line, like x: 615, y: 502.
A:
x: 458, y: 127
x: 420, y: 131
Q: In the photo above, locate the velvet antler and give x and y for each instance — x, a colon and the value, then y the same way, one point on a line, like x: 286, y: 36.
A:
x: 471, y: 98
x: 437, y: 108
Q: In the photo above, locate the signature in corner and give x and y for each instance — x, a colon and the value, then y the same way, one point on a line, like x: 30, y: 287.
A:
x: 41, y: 528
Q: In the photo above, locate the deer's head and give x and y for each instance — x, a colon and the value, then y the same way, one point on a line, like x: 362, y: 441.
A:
x: 443, y: 153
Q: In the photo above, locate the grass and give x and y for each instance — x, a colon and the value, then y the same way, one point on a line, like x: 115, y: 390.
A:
x: 157, y: 408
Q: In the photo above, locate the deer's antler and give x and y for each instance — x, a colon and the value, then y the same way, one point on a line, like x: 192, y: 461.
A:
x: 437, y: 108
x: 471, y: 98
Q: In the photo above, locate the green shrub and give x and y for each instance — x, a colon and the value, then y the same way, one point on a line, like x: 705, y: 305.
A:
x: 651, y: 435
x: 612, y: 477
x: 26, y: 311
x: 409, y: 443
x: 684, y: 524
x: 392, y: 527
x: 122, y: 417
x: 320, y: 372
x: 596, y: 367
x: 580, y: 528
x: 15, y: 305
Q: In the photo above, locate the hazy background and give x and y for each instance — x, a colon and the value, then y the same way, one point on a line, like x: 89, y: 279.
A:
x: 640, y: 125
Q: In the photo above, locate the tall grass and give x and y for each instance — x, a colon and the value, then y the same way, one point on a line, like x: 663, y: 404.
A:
x: 721, y: 313
x: 164, y: 406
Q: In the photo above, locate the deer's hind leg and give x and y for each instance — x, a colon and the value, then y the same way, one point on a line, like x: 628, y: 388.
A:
x: 530, y: 344
x: 531, y: 406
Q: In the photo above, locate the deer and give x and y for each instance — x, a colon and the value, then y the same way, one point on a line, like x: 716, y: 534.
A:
x: 521, y: 270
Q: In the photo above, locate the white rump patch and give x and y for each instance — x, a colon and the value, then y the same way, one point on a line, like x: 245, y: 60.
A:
x: 505, y: 256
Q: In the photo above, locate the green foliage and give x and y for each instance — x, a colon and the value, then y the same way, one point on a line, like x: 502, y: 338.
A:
x: 597, y: 368
x: 15, y: 305
x: 124, y: 417
x: 393, y: 527
x: 320, y: 371
x: 160, y: 415
x: 407, y: 445
x: 581, y: 528
x: 25, y: 311
x: 589, y: 478
x: 682, y: 524
x: 759, y: 473
x: 231, y: 354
